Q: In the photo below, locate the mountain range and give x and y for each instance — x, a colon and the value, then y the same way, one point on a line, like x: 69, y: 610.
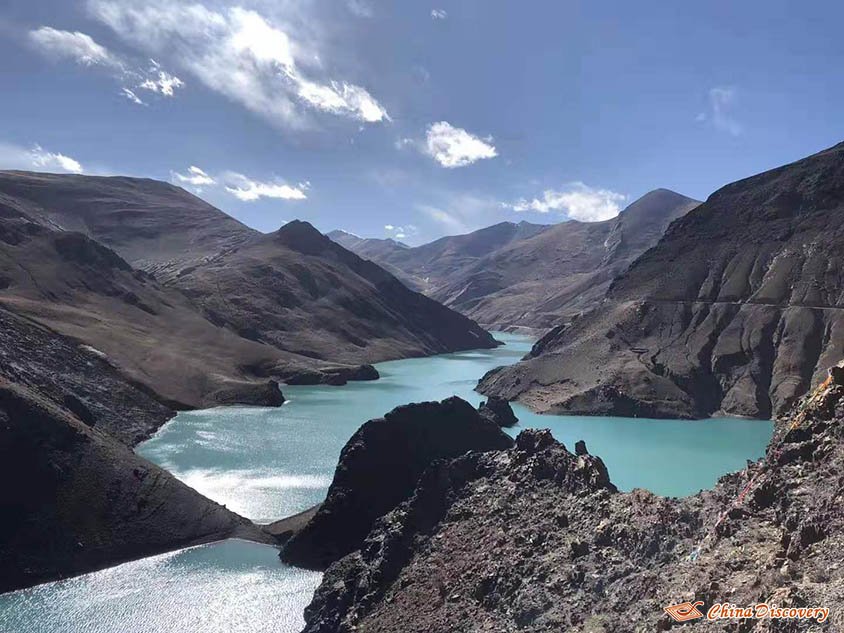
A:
x: 528, y: 276
x: 736, y: 310
x: 196, y: 306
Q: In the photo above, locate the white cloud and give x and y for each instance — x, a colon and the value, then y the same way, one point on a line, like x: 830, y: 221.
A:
x: 721, y: 103
x: 36, y: 158
x: 164, y: 83
x: 455, y: 147
x: 77, y: 46
x: 195, y: 177
x: 438, y: 14
x: 85, y: 51
x: 342, y: 99
x: 401, y: 232
x: 53, y: 160
x: 130, y: 94
x: 578, y: 202
x: 243, y: 188
x: 238, y: 53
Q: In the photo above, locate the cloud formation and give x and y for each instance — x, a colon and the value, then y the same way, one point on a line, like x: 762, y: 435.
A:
x: 76, y: 46
x: 195, y: 177
x: 401, y: 232
x: 721, y: 104
x: 53, y: 160
x: 455, y: 147
x: 84, y: 50
x: 577, y: 202
x: 37, y: 158
x: 248, y: 190
x: 239, y: 54
x: 438, y: 14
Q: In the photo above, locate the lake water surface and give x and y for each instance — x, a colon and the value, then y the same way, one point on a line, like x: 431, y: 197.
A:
x: 268, y: 463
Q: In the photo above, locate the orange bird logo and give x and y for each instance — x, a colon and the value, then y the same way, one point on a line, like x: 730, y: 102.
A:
x: 685, y: 611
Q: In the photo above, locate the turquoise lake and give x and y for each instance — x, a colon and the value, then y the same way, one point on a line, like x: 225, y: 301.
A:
x: 269, y: 463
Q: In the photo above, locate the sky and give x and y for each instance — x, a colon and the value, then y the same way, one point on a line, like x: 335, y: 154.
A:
x: 418, y: 119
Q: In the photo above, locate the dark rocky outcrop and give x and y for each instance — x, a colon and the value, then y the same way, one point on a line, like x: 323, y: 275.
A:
x: 378, y: 469
x: 498, y: 411
x: 328, y: 375
x: 74, y: 499
x: 738, y: 309
x: 266, y: 393
x: 531, y: 276
x: 535, y: 538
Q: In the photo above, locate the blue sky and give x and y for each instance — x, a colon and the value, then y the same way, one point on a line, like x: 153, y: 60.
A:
x: 431, y: 118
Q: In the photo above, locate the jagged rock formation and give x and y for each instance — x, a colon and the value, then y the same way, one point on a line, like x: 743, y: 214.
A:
x: 498, y: 411
x: 75, y: 499
x: 378, y: 469
x: 535, y: 538
x: 530, y: 275
x: 738, y: 309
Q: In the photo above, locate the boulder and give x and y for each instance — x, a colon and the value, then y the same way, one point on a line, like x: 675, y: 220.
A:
x: 379, y: 468
x: 498, y: 411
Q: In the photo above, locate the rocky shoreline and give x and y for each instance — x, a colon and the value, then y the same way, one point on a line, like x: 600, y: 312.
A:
x: 535, y: 538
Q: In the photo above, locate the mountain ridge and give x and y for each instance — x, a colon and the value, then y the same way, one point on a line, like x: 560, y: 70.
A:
x: 736, y: 310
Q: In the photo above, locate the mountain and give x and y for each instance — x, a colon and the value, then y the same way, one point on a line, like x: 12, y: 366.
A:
x: 367, y: 247
x: 536, y: 538
x: 737, y: 309
x: 299, y: 291
x: 377, y: 250
x: 532, y: 276
x: 195, y: 306
x: 152, y: 333
x: 155, y: 226
x: 77, y: 500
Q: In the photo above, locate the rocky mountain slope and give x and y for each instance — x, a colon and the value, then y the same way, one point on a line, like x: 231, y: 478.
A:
x: 367, y: 247
x: 195, y: 306
x: 151, y: 333
x: 536, y: 538
x: 737, y: 309
x: 427, y: 267
x: 378, y: 469
x: 75, y: 499
x: 534, y: 276
x: 155, y: 226
x: 300, y: 292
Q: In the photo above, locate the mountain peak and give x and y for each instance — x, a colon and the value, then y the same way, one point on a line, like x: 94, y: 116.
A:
x: 299, y: 235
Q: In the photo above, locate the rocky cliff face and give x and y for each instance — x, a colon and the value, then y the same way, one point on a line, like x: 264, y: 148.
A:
x: 75, y: 499
x: 738, y: 309
x: 378, y: 469
x: 536, y: 538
